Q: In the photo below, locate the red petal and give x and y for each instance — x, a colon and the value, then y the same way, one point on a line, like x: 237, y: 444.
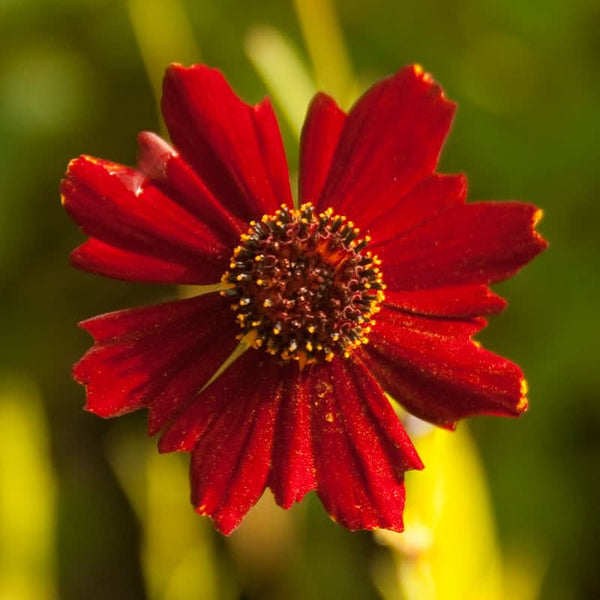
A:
x: 246, y: 437
x: 320, y: 136
x: 157, y: 356
x: 437, y: 372
x: 162, y: 163
x: 360, y: 448
x: 103, y: 259
x: 292, y: 469
x: 459, y: 302
x: 391, y: 141
x: 273, y: 153
x: 235, y: 149
x: 469, y: 244
x: 233, y: 424
x: 122, y: 209
x: 229, y: 389
x: 429, y: 199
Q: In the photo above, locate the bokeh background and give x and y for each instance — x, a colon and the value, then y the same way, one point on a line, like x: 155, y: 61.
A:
x: 508, y: 509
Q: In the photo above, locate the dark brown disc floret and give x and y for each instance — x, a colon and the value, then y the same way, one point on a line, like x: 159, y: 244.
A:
x: 302, y: 285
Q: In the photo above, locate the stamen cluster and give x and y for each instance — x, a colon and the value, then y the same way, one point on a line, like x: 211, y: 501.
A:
x: 302, y: 285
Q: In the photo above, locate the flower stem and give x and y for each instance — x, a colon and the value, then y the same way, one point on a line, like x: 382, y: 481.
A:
x: 325, y: 43
x: 164, y: 35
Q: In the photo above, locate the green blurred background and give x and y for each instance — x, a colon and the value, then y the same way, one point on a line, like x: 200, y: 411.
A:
x: 87, y: 508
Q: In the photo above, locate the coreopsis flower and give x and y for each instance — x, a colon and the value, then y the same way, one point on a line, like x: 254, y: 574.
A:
x: 373, y: 283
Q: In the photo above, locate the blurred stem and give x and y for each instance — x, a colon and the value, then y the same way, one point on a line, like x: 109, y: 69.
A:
x: 27, y: 494
x: 164, y: 35
x: 280, y: 67
x: 325, y: 43
x: 180, y: 562
x: 449, y: 549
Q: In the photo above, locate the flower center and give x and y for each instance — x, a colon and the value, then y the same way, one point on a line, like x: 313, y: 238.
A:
x: 302, y: 285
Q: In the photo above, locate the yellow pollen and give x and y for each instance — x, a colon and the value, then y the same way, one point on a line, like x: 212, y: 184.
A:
x: 303, y: 286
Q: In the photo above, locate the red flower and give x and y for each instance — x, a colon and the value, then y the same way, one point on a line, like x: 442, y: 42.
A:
x: 304, y: 408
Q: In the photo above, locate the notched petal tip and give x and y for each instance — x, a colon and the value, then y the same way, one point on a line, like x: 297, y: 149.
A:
x: 537, y: 243
x: 176, y: 67
x: 178, y: 70
x: 523, y: 403
x: 362, y: 453
x: 422, y: 75
x: 397, y: 526
x: 225, y: 525
x: 98, y: 412
x: 82, y: 161
x: 84, y: 176
x: 74, y: 162
x: 68, y: 174
x: 439, y: 373
x: 535, y: 219
x: 68, y: 184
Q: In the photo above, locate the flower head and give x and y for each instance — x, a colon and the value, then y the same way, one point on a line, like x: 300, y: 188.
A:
x: 374, y: 284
